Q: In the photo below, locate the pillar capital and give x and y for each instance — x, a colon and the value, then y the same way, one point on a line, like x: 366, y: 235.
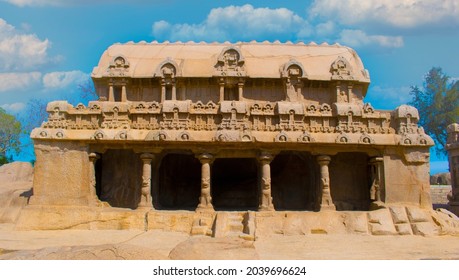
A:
x: 376, y: 160
x: 147, y: 157
x: 323, y: 159
x: 94, y: 156
x: 205, y: 158
x: 265, y: 157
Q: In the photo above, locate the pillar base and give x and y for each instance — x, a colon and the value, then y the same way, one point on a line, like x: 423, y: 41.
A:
x: 266, y: 208
x: 145, y: 208
x: 327, y: 207
x: 202, y: 208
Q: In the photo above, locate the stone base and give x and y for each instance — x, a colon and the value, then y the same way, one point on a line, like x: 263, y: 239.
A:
x: 393, y: 220
x: 80, y: 217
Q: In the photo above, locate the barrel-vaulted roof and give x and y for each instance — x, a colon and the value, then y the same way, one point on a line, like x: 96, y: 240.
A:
x: 254, y: 59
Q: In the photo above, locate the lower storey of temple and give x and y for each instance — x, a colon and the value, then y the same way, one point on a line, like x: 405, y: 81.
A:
x: 231, y: 189
x: 235, y: 182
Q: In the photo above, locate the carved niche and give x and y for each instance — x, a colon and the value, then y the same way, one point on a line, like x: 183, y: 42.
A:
x: 341, y: 69
x: 119, y: 66
x: 230, y: 63
x: 292, y: 74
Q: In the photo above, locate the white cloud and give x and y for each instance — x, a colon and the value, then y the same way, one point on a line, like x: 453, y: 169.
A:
x: 358, y: 38
x: 19, y: 52
x: 325, y: 29
x: 14, y: 107
x: 19, y: 81
x: 55, y: 80
x: 237, y: 23
x: 388, y: 97
x: 401, y: 14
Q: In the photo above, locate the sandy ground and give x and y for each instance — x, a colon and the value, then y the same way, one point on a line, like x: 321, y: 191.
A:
x: 116, y: 244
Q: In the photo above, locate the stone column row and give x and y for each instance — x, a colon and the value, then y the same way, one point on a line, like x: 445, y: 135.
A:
x: 265, y: 202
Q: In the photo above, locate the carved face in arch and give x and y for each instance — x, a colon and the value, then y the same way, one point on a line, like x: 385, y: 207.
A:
x: 231, y: 57
x: 120, y: 62
x: 294, y: 71
x: 168, y: 70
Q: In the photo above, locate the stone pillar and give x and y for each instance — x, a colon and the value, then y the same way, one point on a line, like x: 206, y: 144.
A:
x: 452, y: 146
x: 123, y: 93
x: 205, y: 200
x: 145, y: 196
x: 349, y: 93
x: 174, y: 92
x: 240, y: 86
x: 163, y: 91
x: 327, y: 202
x: 376, y: 166
x: 93, y: 157
x: 111, y: 93
x: 266, y: 200
x: 222, y: 91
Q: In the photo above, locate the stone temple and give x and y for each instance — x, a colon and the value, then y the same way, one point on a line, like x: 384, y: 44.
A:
x: 218, y: 138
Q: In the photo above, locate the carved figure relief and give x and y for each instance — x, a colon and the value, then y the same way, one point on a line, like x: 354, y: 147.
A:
x: 205, y: 200
x: 341, y: 69
x: 230, y: 63
x: 118, y: 67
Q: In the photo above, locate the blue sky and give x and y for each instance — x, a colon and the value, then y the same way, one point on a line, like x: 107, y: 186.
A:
x: 49, y: 47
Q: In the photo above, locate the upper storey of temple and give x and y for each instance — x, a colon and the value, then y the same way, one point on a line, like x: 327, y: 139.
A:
x: 252, y: 60
x: 255, y: 92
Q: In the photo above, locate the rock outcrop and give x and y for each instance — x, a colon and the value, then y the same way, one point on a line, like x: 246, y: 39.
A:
x: 15, y: 189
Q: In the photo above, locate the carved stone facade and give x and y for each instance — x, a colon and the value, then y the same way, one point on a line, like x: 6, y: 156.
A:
x: 452, y: 146
x: 207, y: 128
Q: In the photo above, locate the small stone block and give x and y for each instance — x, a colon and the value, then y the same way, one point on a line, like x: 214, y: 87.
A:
x: 381, y: 216
x: 199, y: 230
x: 404, y: 229
x: 385, y: 229
x: 417, y: 215
x: 398, y: 214
x: 424, y: 229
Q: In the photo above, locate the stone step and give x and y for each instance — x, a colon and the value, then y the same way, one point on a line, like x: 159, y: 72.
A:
x: 235, y: 226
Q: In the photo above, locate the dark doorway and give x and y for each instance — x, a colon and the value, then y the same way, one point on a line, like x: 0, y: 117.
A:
x: 119, y: 178
x: 349, y: 181
x: 179, y: 182
x: 234, y: 184
x: 294, y: 181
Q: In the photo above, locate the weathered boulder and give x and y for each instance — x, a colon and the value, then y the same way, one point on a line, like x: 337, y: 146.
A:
x: 15, y: 189
x: 206, y: 248
x: 100, y: 252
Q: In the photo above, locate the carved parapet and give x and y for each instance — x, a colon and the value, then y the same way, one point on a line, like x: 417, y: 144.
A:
x: 453, y: 136
x: 344, y: 109
x: 115, y: 115
x: 405, y: 119
x: 182, y: 106
x: 57, y: 114
x: 341, y: 69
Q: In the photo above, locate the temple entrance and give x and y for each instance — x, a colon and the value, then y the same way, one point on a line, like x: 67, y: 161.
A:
x: 294, y: 181
x: 119, y: 178
x: 349, y: 181
x: 235, y: 184
x: 179, y: 185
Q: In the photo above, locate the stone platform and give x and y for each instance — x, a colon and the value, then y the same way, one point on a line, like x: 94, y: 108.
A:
x: 249, y: 225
